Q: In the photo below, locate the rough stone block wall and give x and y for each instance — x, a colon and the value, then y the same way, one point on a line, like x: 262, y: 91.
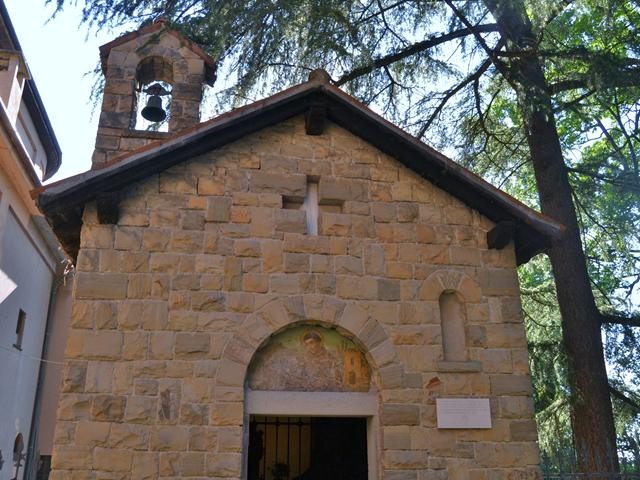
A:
x: 205, y: 264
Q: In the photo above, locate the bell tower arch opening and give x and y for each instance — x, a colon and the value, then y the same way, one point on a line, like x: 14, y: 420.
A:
x: 154, y: 85
x: 311, y: 408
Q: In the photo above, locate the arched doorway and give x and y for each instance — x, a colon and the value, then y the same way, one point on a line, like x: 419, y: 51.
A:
x: 18, y: 456
x: 311, y: 408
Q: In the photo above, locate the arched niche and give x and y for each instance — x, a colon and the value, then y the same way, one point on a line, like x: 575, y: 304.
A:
x: 452, y: 320
x: 453, y: 291
x: 280, y: 314
x: 18, y: 456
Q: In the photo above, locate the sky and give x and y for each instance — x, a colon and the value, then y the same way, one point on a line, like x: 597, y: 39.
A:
x: 61, y: 54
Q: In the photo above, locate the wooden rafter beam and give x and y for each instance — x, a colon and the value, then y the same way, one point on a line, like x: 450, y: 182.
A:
x: 500, y: 235
x: 107, y: 204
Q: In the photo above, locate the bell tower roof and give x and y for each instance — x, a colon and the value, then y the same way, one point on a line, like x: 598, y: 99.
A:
x: 158, y: 25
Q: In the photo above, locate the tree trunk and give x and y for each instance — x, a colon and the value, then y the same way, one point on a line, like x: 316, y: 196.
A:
x: 591, y: 416
x: 591, y: 412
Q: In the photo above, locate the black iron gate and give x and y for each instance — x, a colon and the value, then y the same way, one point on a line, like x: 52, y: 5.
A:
x: 307, y: 448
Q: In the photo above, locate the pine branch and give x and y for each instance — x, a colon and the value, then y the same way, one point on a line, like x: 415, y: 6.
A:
x: 491, y: 52
x: 451, y: 92
x: 615, y: 112
x: 581, y: 52
x: 556, y: 11
x: 458, y: 13
x: 387, y: 26
x: 621, y: 396
x: 612, y: 141
x: 403, y: 53
x: 620, y: 319
x: 575, y: 103
x: 380, y: 12
x: 605, y: 81
x: 618, y: 182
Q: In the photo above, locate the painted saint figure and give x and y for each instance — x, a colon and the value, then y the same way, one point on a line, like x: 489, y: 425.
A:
x: 309, y: 359
x: 321, y: 369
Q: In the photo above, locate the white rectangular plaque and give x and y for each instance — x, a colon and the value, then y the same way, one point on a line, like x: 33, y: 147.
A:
x: 463, y: 412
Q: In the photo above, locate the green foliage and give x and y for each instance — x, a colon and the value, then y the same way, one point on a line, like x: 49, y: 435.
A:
x: 547, y: 360
x: 598, y: 128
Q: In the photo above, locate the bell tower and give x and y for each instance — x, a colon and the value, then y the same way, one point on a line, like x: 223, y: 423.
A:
x: 154, y: 80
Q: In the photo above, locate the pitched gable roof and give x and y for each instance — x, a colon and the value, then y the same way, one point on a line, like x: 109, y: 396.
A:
x: 62, y: 202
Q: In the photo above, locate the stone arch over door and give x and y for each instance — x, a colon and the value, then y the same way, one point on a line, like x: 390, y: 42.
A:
x: 309, y: 358
x: 350, y: 319
x: 234, y: 398
x: 311, y: 385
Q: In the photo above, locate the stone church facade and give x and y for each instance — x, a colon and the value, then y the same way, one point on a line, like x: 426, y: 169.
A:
x: 304, y: 211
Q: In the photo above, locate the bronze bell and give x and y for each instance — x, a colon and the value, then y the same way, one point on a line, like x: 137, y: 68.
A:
x: 154, y: 111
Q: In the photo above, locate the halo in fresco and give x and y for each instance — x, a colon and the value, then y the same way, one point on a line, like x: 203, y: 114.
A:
x: 310, y: 359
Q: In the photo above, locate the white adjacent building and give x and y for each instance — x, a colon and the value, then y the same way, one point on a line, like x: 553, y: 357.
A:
x: 31, y: 264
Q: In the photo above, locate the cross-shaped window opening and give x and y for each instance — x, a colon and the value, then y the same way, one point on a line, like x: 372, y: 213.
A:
x: 311, y: 208
x: 311, y: 205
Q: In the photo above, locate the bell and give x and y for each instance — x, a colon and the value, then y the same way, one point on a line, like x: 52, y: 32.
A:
x: 153, y: 111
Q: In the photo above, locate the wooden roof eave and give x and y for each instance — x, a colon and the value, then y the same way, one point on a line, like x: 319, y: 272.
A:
x: 438, y: 169
x: 535, y: 231
x: 141, y: 163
